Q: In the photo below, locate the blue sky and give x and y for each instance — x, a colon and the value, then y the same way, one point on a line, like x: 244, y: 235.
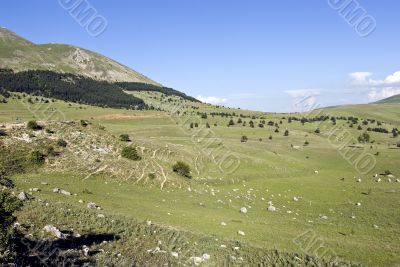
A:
x: 261, y: 54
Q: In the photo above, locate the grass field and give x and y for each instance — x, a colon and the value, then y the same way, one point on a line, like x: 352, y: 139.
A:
x: 313, y: 187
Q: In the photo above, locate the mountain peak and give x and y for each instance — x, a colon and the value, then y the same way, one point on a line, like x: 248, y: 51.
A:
x: 20, y: 54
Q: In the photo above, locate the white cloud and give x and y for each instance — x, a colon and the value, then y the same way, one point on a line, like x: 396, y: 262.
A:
x: 378, y: 94
x: 212, y: 100
x: 360, y: 77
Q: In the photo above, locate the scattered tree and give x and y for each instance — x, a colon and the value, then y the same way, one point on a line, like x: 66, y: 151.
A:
x: 243, y: 139
x: 286, y: 133
x: 124, y: 138
x: 130, y: 153
x: 317, y: 131
x: 182, y: 169
x: 33, y: 125
x: 61, y: 143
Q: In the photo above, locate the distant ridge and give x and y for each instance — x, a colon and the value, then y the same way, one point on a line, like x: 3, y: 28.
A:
x: 390, y: 100
x: 19, y: 54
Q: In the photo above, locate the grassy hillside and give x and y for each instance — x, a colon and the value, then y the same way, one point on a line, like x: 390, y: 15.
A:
x: 19, y: 54
x: 309, y: 205
x: 390, y: 100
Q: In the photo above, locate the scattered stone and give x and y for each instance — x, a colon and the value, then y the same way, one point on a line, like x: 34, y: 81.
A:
x: 174, y: 254
x: 44, y: 183
x: 241, y: 233
x: 243, y: 210
x: 148, y: 223
x: 80, y: 201
x: 53, y: 230
x: 100, y: 216
x: 316, y: 172
x: 223, y: 223
x: 358, y: 204
x: 271, y: 208
x: 323, y: 217
x: 223, y: 246
x: 295, y: 199
x: 61, y: 191
x: 199, y: 260
x: 92, y: 205
x: 358, y: 180
x: 23, y: 196
x: 34, y: 190
x: 376, y: 226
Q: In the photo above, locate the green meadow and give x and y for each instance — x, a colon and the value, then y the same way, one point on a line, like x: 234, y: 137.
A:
x: 328, y: 202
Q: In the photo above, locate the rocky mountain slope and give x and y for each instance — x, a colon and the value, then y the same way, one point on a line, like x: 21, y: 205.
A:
x: 20, y: 54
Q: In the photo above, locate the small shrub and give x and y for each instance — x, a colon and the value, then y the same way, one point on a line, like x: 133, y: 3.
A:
x: 387, y: 172
x: 124, y: 138
x: 50, y: 151
x: 243, y: 139
x: 8, y: 205
x: 86, y: 191
x: 130, y: 153
x: 317, y: 131
x: 152, y: 176
x: 364, y: 138
x: 270, y: 137
x: 286, y: 133
x: 398, y: 144
x: 36, y: 157
x: 49, y: 131
x: 84, y: 123
x: 33, y: 125
x: 61, y: 143
x: 182, y: 169
x: 306, y: 143
x: 3, y: 133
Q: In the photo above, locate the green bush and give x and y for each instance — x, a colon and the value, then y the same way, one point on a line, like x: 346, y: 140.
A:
x: 286, y: 133
x: 36, y: 157
x: 364, y: 138
x: 182, y: 169
x: 124, y: 138
x: 61, y: 143
x: 84, y: 123
x: 243, y: 139
x: 33, y: 125
x: 8, y: 205
x: 130, y: 153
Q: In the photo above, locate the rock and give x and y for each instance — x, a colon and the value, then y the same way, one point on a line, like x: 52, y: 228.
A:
x: 196, y: 260
x: 53, y: 230
x: 376, y: 226
x: 206, y: 256
x: 92, y: 205
x: 148, y: 223
x: 241, y: 233
x: 316, y: 172
x: 100, y: 216
x: 34, y: 190
x: 223, y: 223
x: 44, y: 183
x: 23, y: 196
x: 80, y: 201
x: 61, y: 191
x: 358, y: 180
x: 323, y: 217
x: 174, y: 254
x: 243, y: 210
x: 271, y: 208
x: 223, y: 246
x: 358, y: 204
x: 295, y: 199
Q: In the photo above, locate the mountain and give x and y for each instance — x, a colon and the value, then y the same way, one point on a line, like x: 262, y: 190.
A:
x: 20, y: 54
x: 390, y: 100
